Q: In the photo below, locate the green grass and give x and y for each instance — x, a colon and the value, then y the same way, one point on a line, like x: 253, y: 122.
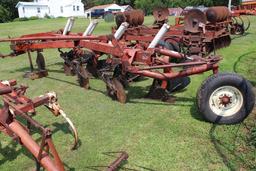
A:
x: 157, y: 136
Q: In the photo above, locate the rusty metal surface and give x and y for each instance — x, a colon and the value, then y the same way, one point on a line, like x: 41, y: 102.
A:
x: 193, y: 19
x: 217, y: 14
x: 133, y: 57
x: 133, y: 17
x: 115, y: 164
x: 33, y: 147
x: 161, y: 14
x: 5, y: 90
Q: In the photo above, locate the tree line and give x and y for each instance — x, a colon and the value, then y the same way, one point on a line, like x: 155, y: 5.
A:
x: 8, y: 12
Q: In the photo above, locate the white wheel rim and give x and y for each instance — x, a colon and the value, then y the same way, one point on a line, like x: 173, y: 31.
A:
x: 226, y: 101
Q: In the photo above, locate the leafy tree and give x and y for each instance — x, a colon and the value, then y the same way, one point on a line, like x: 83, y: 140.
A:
x: 4, y: 15
x: 8, y: 10
x: 149, y: 5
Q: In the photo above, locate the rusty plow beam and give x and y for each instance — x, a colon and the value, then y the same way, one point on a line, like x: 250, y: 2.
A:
x: 34, y: 148
x: 170, y: 75
x: 55, y: 38
x: 116, y: 164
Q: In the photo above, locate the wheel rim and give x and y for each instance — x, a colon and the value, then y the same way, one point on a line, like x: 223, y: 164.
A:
x: 226, y: 101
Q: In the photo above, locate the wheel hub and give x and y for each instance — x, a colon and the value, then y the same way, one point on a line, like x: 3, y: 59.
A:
x: 226, y: 101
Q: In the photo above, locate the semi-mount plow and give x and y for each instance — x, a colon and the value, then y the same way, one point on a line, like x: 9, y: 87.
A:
x: 139, y: 51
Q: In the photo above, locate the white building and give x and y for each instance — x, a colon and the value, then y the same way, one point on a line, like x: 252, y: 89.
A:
x: 53, y: 8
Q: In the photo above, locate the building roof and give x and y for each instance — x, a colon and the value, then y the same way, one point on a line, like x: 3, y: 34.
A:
x: 248, y: 2
x: 101, y: 6
x: 126, y: 6
x: 43, y: 4
x: 30, y: 4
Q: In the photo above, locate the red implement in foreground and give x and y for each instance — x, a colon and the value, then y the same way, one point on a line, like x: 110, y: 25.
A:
x: 16, y: 106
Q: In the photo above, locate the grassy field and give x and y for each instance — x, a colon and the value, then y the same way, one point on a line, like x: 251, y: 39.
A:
x: 158, y: 136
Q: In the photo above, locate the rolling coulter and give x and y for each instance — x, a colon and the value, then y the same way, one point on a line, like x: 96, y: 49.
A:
x: 17, y: 106
x: 195, y: 33
x: 225, y: 103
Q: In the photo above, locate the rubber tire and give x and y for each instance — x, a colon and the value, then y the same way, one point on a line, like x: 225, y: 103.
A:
x: 240, y: 30
x: 178, y: 84
x: 184, y: 82
x: 169, y: 46
x: 219, y: 80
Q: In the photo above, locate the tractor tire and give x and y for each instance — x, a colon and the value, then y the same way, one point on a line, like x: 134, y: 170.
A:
x: 239, y: 29
x: 40, y: 61
x: 225, y: 99
x: 83, y: 78
x: 178, y: 84
x: 169, y: 46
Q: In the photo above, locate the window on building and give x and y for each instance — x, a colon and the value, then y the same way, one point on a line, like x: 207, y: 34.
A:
x: 77, y: 8
x: 23, y: 9
x: 61, y: 9
x: 38, y: 10
x: 74, y: 8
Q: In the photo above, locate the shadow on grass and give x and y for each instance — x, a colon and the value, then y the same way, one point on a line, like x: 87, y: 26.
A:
x: 109, y: 154
x: 195, y: 113
x: 27, y: 69
x: 63, y: 81
x: 64, y: 127
x: 10, y: 154
x: 56, y: 64
x: 243, y: 64
x: 121, y: 167
x: 137, y: 92
x: 239, y: 36
x: 230, y: 151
